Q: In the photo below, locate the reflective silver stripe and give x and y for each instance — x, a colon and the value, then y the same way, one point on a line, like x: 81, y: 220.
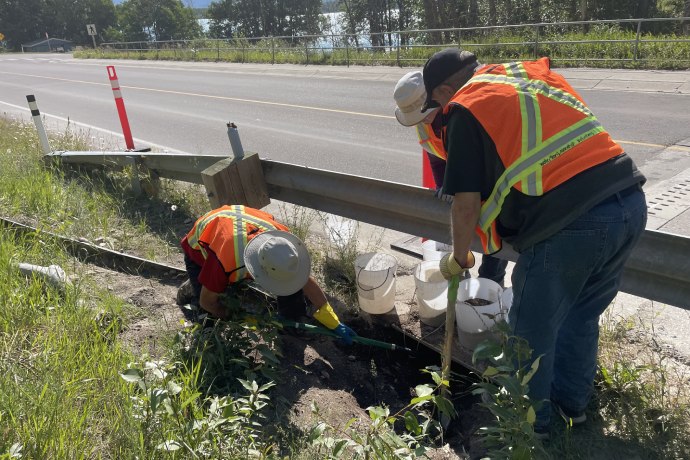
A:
x: 238, y: 214
x: 556, y: 146
x: 537, y: 86
x: 531, y: 130
x: 425, y: 141
x: 422, y: 135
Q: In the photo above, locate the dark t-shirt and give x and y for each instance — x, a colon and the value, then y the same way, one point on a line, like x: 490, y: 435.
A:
x: 474, y: 165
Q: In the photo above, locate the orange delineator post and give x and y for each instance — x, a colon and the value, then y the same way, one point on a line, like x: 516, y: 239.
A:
x: 120, y: 103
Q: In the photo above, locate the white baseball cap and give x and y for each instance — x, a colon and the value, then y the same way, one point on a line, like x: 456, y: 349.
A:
x: 410, y: 96
x: 278, y: 261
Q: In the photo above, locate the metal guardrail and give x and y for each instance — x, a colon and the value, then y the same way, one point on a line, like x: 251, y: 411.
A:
x: 658, y: 269
x: 414, y: 46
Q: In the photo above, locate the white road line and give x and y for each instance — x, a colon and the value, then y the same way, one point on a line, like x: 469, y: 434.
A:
x: 94, y: 128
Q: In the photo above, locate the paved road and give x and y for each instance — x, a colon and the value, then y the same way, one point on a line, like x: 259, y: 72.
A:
x: 326, y: 117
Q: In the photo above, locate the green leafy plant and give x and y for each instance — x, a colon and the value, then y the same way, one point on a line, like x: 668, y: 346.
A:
x: 504, y: 387
x: 174, y: 416
x: 379, y: 439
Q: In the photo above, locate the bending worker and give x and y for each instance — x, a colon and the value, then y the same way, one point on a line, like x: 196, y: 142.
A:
x: 235, y: 243
x: 530, y: 164
x: 410, y: 96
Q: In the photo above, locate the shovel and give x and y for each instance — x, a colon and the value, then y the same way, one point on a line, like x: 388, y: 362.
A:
x: 357, y: 339
x: 446, y: 358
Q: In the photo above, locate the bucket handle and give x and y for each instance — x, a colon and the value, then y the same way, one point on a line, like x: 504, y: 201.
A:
x: 374, y: 288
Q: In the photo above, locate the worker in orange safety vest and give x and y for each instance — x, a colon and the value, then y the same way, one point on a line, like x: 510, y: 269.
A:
x: 235, y: 243
x: 530, y: 164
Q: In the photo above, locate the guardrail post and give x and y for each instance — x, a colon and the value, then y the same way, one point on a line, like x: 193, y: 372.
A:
x: 637, y: 40
x: 273, y: 50
x: 236, y: 181
x: 536, y: 42
x: 136, y: 185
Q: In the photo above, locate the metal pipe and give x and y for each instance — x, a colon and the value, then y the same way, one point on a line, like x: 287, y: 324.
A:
x: 235, y: 141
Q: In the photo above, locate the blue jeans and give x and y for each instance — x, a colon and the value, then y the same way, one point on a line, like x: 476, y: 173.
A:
x: 561, y: 286
x: 493, y: 268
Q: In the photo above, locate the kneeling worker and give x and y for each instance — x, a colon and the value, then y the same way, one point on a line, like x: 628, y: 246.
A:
x: 234, y: 243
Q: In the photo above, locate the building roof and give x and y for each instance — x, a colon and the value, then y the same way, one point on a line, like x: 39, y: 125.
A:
x: 45, y: 40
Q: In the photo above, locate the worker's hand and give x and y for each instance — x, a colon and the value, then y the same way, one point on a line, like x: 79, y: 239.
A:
x: 450, y: 267
x: 345, y: 333
x: 326, y: 316
x: 443, y: 197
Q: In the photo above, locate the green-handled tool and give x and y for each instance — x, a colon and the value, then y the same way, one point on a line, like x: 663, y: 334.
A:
x: 447, y: 357
x: 357, y: 338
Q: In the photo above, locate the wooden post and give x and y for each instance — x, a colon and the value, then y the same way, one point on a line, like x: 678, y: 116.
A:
x: 236, y: 181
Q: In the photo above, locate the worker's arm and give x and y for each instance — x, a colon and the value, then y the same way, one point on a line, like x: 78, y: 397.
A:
x: 314, y: 293
x: 209, y: 301
x: 464, y: 218
x: 325, y: 313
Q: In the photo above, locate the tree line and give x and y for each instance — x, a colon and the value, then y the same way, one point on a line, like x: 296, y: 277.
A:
x: 22, y: 21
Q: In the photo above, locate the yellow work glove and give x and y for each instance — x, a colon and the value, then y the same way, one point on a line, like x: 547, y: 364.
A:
x: 450, y: 267
x: 326, y: 316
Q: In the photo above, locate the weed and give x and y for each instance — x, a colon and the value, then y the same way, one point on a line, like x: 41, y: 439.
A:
x: 504, y: 388
x: 379, y: 439
x: 174, y: 416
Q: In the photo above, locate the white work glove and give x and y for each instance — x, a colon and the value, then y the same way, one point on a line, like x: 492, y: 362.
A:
x: 450, y: 267
x: 442, y: 196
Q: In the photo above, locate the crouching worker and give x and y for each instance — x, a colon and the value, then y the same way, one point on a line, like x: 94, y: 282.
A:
x: 231, y: 244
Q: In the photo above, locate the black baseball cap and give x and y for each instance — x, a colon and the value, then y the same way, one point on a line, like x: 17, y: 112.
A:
x: 441, y: 66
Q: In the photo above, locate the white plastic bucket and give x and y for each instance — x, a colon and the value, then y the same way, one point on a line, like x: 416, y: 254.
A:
x: 375, y: 274
x: 340, y: 230
x: 432, y: 293
x: 475, y: 323
x: 433, y: 250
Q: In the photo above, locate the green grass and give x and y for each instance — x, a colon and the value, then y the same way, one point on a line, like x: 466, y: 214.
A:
x: 97, y: 207
x: 60, y: 392
x: 490, y: 46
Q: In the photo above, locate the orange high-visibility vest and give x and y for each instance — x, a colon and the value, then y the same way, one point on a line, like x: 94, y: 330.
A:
x: 430, y: 141
x: 543, y: 132
x: 226, y: 231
